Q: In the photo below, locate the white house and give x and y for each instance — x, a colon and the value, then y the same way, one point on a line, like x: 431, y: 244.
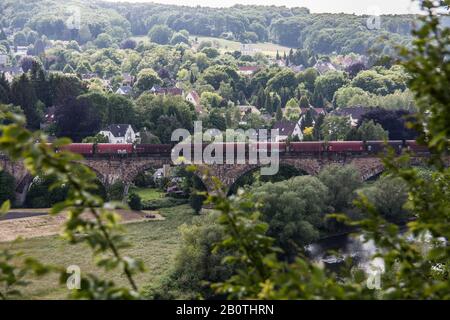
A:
x: 288, y: 129
x: 353, y: 113
x: 21, y: 51
x: 194, y: 98
x: 120, y: 133
x: 323, y: 67
x: 249, y: 49
x: 124, y: 90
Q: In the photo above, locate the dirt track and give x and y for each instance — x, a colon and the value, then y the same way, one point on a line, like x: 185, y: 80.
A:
x: 33, y: 223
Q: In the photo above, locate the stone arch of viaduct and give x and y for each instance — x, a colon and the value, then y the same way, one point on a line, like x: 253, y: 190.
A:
x: 110, y: 170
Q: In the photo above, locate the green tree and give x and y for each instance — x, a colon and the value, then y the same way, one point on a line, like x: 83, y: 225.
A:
x: 217, y: 120
x: 304, y: 102
x: 103, y: 40
x: 77, y: 119
x: 20, y: 145
x: 98, y: 138
x: 210, y: 99
x: 343, y: 96
x: 146, y: 79
x: 24, y: 95
x: 294, y: 210
x: 308, y: 78
x: 179, y: 38
x: 5, y: 94
x: 279, y: 114
x: 335, y: 128
x: 342, y: 182
x: 389, y: 196
x: 160, y: 34
x: 368, y: 130
x: 285, y: 78
x: 327, y: 84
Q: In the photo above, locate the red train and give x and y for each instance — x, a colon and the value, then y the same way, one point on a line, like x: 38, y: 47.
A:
x: 367, y: 147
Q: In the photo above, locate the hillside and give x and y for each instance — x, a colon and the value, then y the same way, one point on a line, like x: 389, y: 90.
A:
x: 290, y: 27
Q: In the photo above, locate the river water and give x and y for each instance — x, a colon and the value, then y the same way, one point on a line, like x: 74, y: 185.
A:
x: 334, y: 251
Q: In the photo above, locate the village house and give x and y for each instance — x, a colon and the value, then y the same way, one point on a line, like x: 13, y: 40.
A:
x: 324, y: 66
x: 89, y: 76
x: 354, y: 113
x: 248, y: 49
x: 124, y: 90
x: 11, y: 72
x: 21, y: 51
x: 194, y: 98
x: 172, y: 91
x: 248, y: 70
x: 49, y: 118
x: 315, y: 112
x: 245, y: 110
x: 120, y: 133
x: 297, y: 69
x: 288, y: 129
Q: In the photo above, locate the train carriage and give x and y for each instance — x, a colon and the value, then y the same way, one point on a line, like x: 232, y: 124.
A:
x: 153, y: 149
x: 79, y: 148
x: 414, y: 147
x: 268, y: 147
x: 307, y: 147
x: 114, y: 148
x: 375, y: 147
x: 345, y: 146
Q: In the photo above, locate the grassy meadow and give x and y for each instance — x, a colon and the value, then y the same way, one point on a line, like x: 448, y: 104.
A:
x: 154, y: 242
x: 224, y: 45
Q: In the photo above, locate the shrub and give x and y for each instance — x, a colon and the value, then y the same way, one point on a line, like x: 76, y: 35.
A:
x: 116, y: 191
x: 134, y: 201
x: 196, y: 263
x: 40, y: 195
x: 167, y: 202
x: 6, y: 187
x: 196, y: 201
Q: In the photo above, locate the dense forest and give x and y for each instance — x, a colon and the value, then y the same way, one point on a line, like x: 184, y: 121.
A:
x: 292, y: 27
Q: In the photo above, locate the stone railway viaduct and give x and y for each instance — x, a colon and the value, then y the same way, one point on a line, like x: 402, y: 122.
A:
x: 110, y: 169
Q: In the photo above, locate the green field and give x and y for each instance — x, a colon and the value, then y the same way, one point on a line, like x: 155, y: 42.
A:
x: 149, y: 193
x: 155, y: 242
x: 267, y: 48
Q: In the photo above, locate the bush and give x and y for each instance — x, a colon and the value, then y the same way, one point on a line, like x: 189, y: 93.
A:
x: 134, y: 201
x: 6, y: 187
x: 196, y: 201
x: 40, y: 195
x: 116, y: 191
x: 144, y: 180
x: 196, y: 263
x: 167, y: 202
